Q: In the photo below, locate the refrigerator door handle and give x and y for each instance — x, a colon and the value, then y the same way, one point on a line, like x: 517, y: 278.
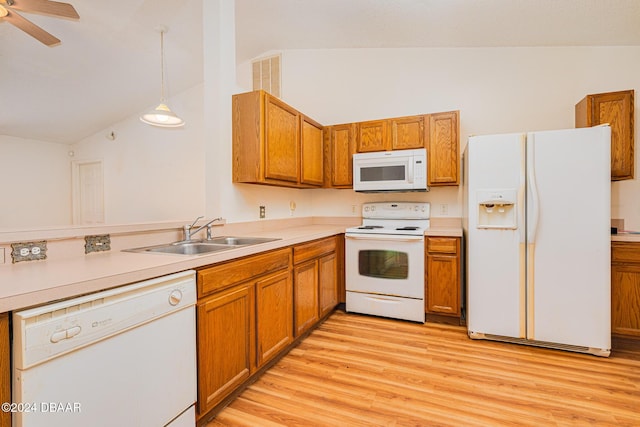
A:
x: 522, y: 191
x: 532, y: 223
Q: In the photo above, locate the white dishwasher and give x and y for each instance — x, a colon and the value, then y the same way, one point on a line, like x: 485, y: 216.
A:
x: 121, y: 357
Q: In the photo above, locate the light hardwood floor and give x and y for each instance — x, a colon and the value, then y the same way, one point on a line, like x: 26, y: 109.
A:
x: 366, y: 371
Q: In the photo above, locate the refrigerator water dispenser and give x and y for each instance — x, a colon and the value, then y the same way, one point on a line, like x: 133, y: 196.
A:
x: 497, y: 208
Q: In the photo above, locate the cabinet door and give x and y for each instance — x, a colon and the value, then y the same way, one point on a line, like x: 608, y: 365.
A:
x: 407, y: 132
x: 305, y: 296
x: 625, y: 299
x: 327, y: 283
x: 443, y: 275
x: 443, y: 158
x: 615, y: 108
x: 372, y: 136
x: 5, y: 371
x: 225, y: 338
x: 274, y: 315
x: 281, y: 141
x: 340, y: 149
x: 312, y: 147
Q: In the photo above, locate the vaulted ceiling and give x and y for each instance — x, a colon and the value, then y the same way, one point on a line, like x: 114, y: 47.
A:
x: 107, y: 67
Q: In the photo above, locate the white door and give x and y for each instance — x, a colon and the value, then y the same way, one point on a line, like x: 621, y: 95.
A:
x: 495, y: 256
x: 569, y: 236
x: 88, y: 192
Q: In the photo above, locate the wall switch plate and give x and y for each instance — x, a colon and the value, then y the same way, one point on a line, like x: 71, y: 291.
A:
x: 97, y: 243
x: 28, y: 251
x: 263, y: 212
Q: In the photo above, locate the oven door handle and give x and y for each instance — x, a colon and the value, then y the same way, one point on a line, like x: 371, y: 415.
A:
x: 385, y: 237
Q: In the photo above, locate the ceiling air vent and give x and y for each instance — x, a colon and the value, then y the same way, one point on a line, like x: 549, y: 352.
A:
x: 266, y: 74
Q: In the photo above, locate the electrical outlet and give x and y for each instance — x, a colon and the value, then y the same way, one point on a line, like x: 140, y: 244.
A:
x: 444, y: 209
x: 28, y: 251
x: 263, y: 212
x: 97, y: 243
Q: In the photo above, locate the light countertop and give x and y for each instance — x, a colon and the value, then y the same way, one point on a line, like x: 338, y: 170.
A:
x: 625, y: 237
x: 32, y: 283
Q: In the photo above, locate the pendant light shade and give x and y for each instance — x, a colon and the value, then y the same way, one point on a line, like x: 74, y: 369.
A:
x: 162, y: 116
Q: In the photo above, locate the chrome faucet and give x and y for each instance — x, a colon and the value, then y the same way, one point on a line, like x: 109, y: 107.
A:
x: 187, y: 228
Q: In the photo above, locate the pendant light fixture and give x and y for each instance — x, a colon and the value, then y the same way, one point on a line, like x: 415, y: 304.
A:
x: 162, y: 116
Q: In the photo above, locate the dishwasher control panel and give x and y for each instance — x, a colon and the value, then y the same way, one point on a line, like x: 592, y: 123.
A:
x: 45, y: 332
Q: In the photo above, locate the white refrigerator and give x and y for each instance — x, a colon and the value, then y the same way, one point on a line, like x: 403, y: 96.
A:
x: 536, y: 217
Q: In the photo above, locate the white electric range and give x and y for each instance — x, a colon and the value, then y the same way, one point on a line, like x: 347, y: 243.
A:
x: 385, y: 260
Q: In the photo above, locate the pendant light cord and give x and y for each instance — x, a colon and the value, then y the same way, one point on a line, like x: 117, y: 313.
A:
x: 162, y: 99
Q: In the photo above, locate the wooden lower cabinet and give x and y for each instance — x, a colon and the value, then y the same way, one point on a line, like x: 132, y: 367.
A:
x: 244, y: 318
x: 225, y: 343
x: 305, y: 294
x: 327, y: 284
x: 315, y: 282
x: 251, y: 309
x: 442, y: 276
x: 625, y: 289
x: 5, y: 368
x: 274, y: 315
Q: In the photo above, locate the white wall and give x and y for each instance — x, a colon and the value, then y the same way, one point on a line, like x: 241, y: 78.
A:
x: 152, y: 174
x: 496, y: 90
x: 36, y: 188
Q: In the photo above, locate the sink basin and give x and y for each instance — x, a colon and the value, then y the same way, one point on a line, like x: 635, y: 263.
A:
x: 240, y: 241
x: 203, y: 247
x: 185, y: 248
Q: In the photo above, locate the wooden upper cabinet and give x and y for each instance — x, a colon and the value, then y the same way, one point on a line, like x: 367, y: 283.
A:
x: 407, y: 132
x: 615, y: 108
x: 443, y: 149
x: 400, y: 133
x: 312, y: 152
x: 282, y: 140
x: 373, y: 136
x: 275, y: 144
x: 339, y: 148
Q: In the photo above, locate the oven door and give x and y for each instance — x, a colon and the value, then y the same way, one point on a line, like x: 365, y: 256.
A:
x: 385, y: 264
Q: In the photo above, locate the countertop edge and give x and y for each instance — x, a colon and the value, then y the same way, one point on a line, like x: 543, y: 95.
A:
x: 119, y: 268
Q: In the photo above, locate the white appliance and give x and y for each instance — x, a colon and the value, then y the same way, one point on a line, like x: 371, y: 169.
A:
x: 382, y: 171
x: 537, y: 225
x: 385, y: 261
x: 121, y: 357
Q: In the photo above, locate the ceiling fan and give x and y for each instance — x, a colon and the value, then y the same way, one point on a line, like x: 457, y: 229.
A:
x: 8, y: 13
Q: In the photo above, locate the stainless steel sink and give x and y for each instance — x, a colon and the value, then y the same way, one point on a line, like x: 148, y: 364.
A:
x: 240, y: 241
x: 203, y: 247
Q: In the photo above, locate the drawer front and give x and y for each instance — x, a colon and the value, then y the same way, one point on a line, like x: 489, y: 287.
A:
x: 216, y: 277
x: 442, y: 245
x: 313, y: 249
x: 626, y: 252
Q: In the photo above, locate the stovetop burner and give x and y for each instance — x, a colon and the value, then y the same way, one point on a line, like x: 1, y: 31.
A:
x: 401, y: 218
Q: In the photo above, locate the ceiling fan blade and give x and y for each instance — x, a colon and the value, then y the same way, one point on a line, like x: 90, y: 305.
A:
x: 32, y: 29
x: 46, y: 7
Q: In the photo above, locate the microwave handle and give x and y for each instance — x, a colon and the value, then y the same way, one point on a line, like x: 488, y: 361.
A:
x: 410, y: 171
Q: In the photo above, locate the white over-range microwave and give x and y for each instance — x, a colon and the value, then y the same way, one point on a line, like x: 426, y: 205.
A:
x: 401, y: 170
